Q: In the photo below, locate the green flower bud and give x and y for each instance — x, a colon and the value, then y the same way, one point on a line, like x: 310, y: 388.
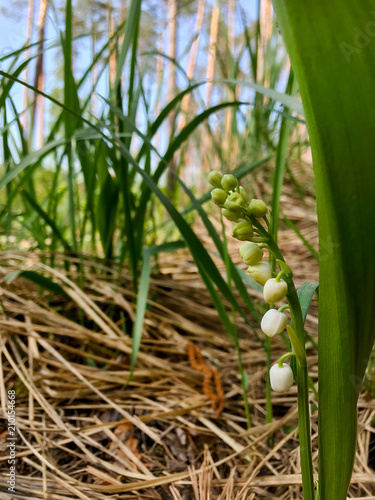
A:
x: 250, y: 253
x: 229, y: 182
x: 244, y: 195
x: 234, y: 202
x: 261, y: 272
x: 243, y: 230
x: 219, y: 196
x: 233, y: 216
x: 214, y: 178
x: 258, y: 208
x: 274, y: 291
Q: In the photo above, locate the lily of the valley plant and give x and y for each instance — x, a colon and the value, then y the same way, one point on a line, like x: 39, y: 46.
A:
x: 251, y: 227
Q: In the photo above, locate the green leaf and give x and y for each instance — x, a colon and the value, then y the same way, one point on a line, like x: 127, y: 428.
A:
x: 30, y: 159
x: 305, y: 294
x: 333, y: 55
x: 222, y: 251
x: 38, y: 279
x: 39, y: 210
x: 144, y: 283
x: 289, y: 102
x: 282, y: 151
x: 298, y: 348
x: 307, y: 244
x: 130, y: 29
x: 106, y: 213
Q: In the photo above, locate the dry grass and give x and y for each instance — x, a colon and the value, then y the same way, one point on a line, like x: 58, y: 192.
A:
x: 83, y: 434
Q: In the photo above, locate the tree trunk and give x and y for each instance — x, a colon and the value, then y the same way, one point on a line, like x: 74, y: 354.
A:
x: 206, y: 141
x: 214, y: 30
x: 265, y: 21
x: 112, y: 47
x: 229, y: 113
x: 192, y: 60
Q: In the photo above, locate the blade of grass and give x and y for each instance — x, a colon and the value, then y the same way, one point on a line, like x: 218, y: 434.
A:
x: 308, y: 245
x: 38, y: 279
x: 38, y: 209
x: 69, y: 103
x: 282, y: 150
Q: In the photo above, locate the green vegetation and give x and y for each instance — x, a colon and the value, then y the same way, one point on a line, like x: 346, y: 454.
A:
x: 117, y: 172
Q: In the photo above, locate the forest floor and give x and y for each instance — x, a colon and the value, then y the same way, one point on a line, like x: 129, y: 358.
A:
x: 178, y: 429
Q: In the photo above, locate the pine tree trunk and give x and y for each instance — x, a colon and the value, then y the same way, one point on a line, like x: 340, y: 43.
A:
x: 206, y: 141
x: 214, y: 30
x: 229, y: 113
x: 265, y: 21
x: 192, y: 60
x: 112, y: 47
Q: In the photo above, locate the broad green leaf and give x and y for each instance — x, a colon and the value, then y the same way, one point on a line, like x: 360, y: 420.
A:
x: 332, y: 51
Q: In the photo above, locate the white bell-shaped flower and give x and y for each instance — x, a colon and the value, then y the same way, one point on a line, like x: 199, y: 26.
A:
x: 273, y: 322
x: 274, y: 290
x: 281, y: 378
x: 260, y: 272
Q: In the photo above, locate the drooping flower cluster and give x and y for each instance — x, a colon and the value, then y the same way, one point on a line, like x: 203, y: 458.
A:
x: 234, y: 203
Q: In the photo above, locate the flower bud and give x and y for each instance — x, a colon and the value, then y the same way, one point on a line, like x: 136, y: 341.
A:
x: 218, y: 196
x: 273, y: 322
x: 214, y: 178
x: 244, y: 195
x: 233, y: 216
x: 281, y: 378
x: 274, y: 291
x: 229, y: 182
x: 234, y: 202
x: 243, y: 230
x: 261, y: 272
x: 258, y: 208
x: 250, y: 253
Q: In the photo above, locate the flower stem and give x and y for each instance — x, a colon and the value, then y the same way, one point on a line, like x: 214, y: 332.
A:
x: 285, y: 356
x: 302, y: 375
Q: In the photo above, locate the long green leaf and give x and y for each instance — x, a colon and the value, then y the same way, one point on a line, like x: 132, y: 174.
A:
x: 333, y: 54
x: 141, y: 309
x: 143, y: 288
x: 282, y: 150
x: 38, y: 209
x: 38, y: 279
x: 129, y: 30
